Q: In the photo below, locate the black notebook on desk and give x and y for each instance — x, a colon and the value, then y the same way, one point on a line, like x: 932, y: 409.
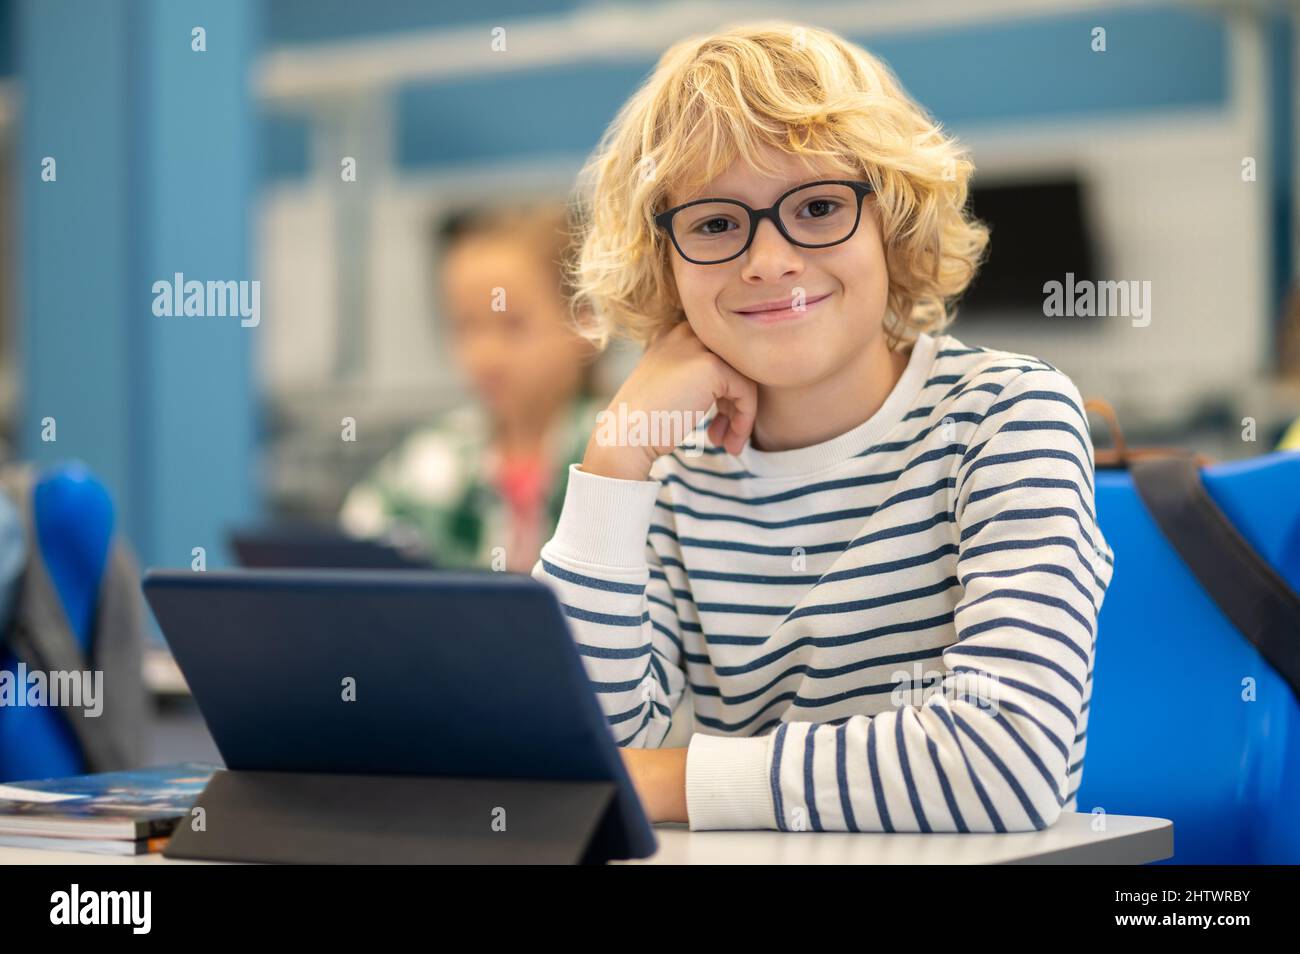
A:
x: 308, y: 546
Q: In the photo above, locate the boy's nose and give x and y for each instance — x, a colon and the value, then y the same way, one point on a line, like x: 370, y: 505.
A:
x: 771, y: 256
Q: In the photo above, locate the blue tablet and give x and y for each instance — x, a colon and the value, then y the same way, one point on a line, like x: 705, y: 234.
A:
x: 393, y: 673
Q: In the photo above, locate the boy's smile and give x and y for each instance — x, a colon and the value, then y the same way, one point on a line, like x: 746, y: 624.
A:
x: 782, y: 309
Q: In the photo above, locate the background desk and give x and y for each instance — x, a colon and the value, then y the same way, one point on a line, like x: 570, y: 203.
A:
x: 1127, y: 840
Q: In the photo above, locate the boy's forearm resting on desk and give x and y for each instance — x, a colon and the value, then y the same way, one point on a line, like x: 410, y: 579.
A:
x: 719, y: 790
x: 659, y: 776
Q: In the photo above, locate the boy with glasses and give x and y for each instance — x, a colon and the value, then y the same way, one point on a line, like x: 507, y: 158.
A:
x: 880, y: 574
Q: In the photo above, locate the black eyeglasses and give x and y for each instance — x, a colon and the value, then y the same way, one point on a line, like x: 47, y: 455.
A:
x: 713, y: 231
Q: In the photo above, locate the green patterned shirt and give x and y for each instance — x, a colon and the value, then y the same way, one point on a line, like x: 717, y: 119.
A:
x: 435, y: 490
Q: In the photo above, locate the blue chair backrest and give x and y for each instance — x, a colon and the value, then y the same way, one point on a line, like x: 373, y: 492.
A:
x: 1170, y: 731
x: 73, y: 515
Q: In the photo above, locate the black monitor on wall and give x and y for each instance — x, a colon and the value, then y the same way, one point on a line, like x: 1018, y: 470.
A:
x: 1039, y: 232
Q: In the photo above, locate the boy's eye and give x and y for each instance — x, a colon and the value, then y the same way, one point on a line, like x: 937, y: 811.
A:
x: 820, y: 208
x: 716, y: 225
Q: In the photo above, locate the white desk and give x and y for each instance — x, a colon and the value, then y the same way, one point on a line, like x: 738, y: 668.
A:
x: 1128, y: 839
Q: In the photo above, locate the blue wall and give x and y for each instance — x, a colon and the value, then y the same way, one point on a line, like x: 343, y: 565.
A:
x: 154, y: 145
x: 301, y: 22
x: 1158, y: 59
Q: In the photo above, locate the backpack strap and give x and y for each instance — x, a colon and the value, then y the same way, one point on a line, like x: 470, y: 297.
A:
x: 1252, y: 595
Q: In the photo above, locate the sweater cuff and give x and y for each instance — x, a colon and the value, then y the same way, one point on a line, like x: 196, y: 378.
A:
x: 605, y: 520
x: 727, y: 783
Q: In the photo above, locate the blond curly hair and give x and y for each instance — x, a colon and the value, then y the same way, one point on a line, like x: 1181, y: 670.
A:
x: 808, y: 92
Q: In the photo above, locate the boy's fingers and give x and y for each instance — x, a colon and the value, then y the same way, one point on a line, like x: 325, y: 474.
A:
x: 742, y: 402
x: 717, y: 427
x: 727, y: 436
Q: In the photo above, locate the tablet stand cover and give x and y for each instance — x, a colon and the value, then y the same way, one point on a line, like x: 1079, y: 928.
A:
x: 304, y: 818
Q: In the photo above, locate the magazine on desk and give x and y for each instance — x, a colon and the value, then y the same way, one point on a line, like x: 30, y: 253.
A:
x: 130, y: 812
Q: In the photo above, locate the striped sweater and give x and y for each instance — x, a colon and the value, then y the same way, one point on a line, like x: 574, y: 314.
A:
x: 891, y: 630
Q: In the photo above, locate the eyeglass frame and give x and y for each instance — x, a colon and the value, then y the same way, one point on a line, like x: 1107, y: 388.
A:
x: 756, y: 216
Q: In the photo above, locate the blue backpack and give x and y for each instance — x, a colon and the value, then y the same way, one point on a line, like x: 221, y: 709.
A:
x: 1195, y: 711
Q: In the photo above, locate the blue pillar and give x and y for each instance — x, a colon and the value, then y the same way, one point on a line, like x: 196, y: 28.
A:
x: 154, y: 147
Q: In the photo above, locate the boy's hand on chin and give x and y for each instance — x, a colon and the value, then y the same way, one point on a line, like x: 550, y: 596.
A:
x: 676, y: 375
x: 659, y: 777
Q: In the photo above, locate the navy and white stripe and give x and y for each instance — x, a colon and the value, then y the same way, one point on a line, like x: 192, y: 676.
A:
x: 954, y: 531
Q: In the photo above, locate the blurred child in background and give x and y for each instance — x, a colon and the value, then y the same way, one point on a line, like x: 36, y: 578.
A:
x: 484, y: 483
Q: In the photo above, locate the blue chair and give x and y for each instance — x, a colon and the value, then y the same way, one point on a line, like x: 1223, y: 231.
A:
x: 1169, y: 732
x: 73, y: 516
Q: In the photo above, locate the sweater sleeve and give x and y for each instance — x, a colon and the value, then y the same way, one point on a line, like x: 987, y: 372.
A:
x: 603, y: 565
x: 984, y: 744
